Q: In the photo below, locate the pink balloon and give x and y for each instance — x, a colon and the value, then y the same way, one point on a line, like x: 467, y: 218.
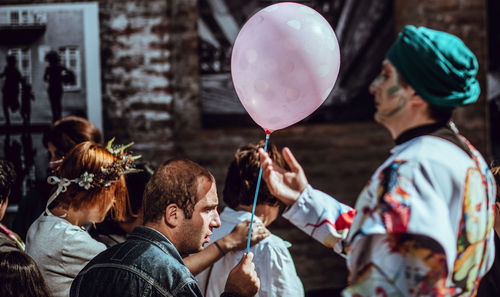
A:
x: 284, y: 64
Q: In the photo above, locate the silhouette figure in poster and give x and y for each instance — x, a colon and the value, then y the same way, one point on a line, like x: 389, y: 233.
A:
x: 26, y: 98
x: 10, y: 90
x: 56, y: 75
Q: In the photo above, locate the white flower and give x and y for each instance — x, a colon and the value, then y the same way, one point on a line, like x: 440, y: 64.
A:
x: 86, y: 180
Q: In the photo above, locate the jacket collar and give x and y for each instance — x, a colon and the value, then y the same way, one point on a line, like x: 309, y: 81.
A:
x: 419, y: 131
x: 155, y: 237
x: 439, y: 129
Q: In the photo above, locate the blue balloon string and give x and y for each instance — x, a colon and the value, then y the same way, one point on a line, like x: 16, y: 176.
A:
x: 255, y: 197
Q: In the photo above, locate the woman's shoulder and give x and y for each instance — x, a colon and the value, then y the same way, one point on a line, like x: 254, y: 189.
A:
x: 52, y: 227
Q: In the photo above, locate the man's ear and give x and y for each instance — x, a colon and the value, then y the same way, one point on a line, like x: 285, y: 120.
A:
x: 416, y: 101
x: 173, y: 215
x: 412, y: 95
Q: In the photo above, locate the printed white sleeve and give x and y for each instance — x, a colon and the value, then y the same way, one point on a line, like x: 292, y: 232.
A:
x: 321, y: 217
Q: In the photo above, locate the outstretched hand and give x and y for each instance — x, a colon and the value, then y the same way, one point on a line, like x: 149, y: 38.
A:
x: 284, y: 185
x: 243, y: 279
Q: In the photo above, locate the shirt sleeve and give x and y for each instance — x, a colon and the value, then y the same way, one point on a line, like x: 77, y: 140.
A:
x: 321, y: 217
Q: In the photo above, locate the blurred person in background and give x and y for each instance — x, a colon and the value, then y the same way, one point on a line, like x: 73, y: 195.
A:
x: 8, y: 239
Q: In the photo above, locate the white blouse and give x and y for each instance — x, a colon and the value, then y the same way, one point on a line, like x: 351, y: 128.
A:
x: 61, y: 250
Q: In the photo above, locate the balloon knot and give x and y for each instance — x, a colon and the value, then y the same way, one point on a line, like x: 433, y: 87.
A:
x: 268, y: 132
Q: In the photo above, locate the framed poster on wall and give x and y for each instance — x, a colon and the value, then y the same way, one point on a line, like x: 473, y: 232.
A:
x: 49, y: 68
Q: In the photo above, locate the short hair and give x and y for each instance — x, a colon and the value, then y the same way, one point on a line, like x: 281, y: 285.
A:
x: 70, y: 131
x: 20, y: 276
x: 7, y: 179
x: 242, y: 174
x: 91, y: 157
x: 176, y: 181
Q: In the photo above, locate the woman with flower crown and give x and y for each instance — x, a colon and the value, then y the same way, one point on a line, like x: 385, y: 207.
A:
x: 90, y: 183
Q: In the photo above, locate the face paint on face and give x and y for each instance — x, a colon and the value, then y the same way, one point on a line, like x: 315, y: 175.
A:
x: 397, y: 109
x: 390, y: 97
x: 392, y: 90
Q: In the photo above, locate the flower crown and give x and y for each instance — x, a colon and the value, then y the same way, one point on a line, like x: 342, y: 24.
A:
x: 111, y: 172
x: 124, y: 164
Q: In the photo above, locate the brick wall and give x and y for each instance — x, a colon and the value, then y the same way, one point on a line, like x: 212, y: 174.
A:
x: 150, y: 73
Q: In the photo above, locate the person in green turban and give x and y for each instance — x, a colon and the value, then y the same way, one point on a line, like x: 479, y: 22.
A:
x: 432, y: 66
x: 422, y: 226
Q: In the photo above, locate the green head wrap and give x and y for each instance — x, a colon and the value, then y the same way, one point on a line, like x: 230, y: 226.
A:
x: 438, y: 65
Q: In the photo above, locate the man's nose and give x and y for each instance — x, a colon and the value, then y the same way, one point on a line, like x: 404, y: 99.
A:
x: 216, y: 220
x: 374, y: 85
x: 372, y: 88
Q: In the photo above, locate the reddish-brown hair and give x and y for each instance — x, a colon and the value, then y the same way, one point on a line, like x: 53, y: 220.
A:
x: 91, y: 157
x: 70, y: 131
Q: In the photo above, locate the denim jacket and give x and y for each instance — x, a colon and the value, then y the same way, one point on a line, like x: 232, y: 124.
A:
x: 146, y: 264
